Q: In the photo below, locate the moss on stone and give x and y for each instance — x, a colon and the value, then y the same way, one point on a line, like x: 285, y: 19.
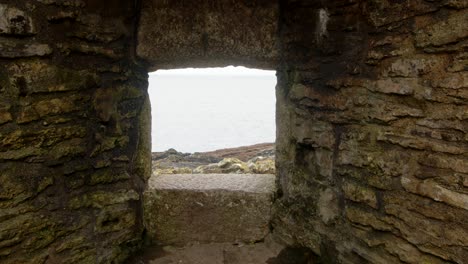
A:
x: 142, y: 159
x: 100, y: 199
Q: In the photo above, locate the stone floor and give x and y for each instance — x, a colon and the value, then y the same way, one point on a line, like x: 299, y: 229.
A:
x: 215, y: 253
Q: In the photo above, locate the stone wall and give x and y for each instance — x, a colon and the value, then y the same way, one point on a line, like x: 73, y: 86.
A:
x: 372, y: 142
x: 372, y: 119
x: 73, y: 116
x: 208, y: 33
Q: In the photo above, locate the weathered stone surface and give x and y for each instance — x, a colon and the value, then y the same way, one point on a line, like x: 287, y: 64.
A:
x: 100, y: 199
x: 372, y: 138
x: 14, y: 50
x: 74, y: 3
x: 435, y: 191
x: 384, y: 12
x: 395, y: 86
x: 328, y: 205
x: 206, y: 33
x: 449, y: 30
x: 5, y: 114
x: 216, y: 253
x: 183, y: 209
x: 360, y: 194
x: 395, y: 105
x: 59, y: 203
x: 15, y: 22
x: 50, y: 78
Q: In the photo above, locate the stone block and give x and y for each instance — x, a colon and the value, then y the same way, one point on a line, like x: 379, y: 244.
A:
x: 360, y: 194
x: 437, y: 192
x: 208, y: 33
x: 40, y: 77
x: 72, y: 3
x: 57, y: 106
x: 15, y: 22
x: 328, y: 205
x: 402, y: 86
x: 452, y: 80
x: 446, y: 31
x: 10, y: 49
x: 384, y: 12
x: 314, y: 133
x: 413, y: 66
x: 365, y: 218
x: 5, y: 116
x: 101, y: 199
x: 187, y: 208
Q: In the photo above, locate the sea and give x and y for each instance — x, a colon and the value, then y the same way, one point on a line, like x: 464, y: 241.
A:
x: 198, y: 110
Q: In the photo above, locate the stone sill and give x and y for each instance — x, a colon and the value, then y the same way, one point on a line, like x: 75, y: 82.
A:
x: 251, y: 183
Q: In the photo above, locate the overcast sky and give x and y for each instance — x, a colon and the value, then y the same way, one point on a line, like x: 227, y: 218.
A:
x: 214, y: 108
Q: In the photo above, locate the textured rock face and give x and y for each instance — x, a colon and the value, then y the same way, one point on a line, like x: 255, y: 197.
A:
x: 372, y: 150
x: 72, y: 106
x: 183, y: 209
x: 371, y: 113
x: 206, y: 33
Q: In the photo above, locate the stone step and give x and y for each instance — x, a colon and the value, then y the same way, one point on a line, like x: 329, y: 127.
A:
x: 183, y: 209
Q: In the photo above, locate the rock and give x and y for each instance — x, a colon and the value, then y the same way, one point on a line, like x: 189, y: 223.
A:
x: 50, y: 78
x: 232, y: 165
x: 184, y: 209
x: 90, y: 49
x: 314, y: 133
x: 183, y: 170
x: 72, y: 3
x: 15, y: 22
x: 257, y: 165
x: 57, y: 106
x: 108, y: 176
x: 257, y: 158
x: 364, y: 218
x: 413, y: 66
x: 449, y: 30
x: 5, y: 115
x: 14, y: 50
x: 210, y: 35
x: 360, y: 194
x: 114, y: 219
x: 101, y: 199
x: 214, y: 253
x: 207, y: 169
x: 261, y: 165
x: 403, y: 86
x: 243, y: 153
x: 328, y: 205
x: 439, y: 193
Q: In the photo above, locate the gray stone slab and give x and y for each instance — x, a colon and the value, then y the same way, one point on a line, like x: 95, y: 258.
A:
x: 256, y: 183
x: 204, y: 208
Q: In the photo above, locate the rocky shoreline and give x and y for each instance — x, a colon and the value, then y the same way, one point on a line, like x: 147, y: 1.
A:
x: 258, y: 159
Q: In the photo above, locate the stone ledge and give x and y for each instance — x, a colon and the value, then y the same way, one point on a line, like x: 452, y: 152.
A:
x: 255, y: 183
x: 183, y: 209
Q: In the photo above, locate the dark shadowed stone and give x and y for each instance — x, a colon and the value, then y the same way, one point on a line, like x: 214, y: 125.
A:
x: 294, y: 255
x: 449, y: 30
x: 15, y: 22
x: 206, y: 33
x: 12, y: 50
